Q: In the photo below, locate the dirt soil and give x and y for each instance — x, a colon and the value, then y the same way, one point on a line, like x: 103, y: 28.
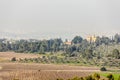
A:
x: 10, y: 55
x: 33, y: 71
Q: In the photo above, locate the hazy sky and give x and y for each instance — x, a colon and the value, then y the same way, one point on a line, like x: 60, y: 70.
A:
x: 60, y: 17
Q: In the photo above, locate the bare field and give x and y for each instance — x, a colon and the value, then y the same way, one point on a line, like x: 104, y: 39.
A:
x: 26, y: 71
x: 35, y: 71
x: 9, y: 55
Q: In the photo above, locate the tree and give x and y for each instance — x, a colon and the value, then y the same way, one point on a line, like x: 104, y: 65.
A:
x: 88, y: 53
x: 117, y: 38
x: 56, y: 45
x: 101, y: 40
x: 105, y: 40
x: 77, y: 39
x: 42, y: 49
x: 116, y: 54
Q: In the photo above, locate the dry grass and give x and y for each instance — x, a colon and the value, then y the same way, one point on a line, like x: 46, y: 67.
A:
x: 10, y: 55
x: 42, y: 75
x: 34, y: 71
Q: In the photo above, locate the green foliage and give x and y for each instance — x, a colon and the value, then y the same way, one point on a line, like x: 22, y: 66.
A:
x: 96, y: 76
x: 89, y: 78
x: 42, y: 49
x: 117, y: 38
x: 119, y: 78
x: 116, y: 75
x: 75, y: 78
x: 110, y: 77
x: 116, y: 54
x: 77, y: 39
x: 103, y: 52
x: 103, y: 69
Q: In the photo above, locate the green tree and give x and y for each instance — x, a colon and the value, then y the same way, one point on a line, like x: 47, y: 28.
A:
x: 42, y: 49
x: 116, y: 54
x: 88, y: 53
x: 117, y: 38
x: 77, y: 39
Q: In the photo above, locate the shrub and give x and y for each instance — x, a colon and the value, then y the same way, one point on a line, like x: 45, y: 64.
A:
x: 103, y: 69
x: 81, y: 78
x: 89, y: 78
x: 76, y: 78
x: 119, y: 78
x: 15, y: 79
x: 13, y: 59
x: 96, y: 76
x: 110, y: 77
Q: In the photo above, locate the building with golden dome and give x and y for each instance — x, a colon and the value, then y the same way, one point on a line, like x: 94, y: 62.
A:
x: 91, y: 39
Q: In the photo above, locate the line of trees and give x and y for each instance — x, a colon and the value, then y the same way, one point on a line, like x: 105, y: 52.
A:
x: 79, y: 46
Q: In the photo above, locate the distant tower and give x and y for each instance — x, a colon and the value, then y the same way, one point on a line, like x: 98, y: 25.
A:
x: 91, y: 39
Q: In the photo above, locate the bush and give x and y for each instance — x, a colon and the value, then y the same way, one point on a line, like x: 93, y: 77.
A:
x: 110, y: 77
x: 89, y: 78
x: 14, y: 59
x: 103, y: 69
x: 15, y: 79
x: 96, y: 76
x: 76, y: 78
x: 119, y: 78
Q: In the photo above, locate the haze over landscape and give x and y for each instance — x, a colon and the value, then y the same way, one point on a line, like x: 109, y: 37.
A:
x: 59, y: 39
x: 58, y: 18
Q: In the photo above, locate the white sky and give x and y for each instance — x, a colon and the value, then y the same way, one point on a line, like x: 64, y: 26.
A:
x: 60, y: 18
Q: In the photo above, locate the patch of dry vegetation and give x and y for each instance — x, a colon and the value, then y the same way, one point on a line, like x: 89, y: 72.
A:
x: 24, y: 71
x: 9, y: 55
x: 42, y: 75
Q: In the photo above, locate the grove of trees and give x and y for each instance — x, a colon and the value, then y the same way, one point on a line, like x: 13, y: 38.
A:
x: 104, y: 50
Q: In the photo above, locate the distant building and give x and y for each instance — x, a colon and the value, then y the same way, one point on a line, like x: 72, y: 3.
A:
x: 68, y: 43
x: 91, y: 39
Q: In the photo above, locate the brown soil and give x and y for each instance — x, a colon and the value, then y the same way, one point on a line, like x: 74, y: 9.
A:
x: 10, y: 55
x: 34, y: 71
x: 25, y: 71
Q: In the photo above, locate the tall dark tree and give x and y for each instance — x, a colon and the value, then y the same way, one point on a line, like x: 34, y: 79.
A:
x: 116, y: 54
x: 117, y: 38
x: 77, y: 39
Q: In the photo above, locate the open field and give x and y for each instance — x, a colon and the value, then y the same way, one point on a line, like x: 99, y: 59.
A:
x: 37, y: 71
x: 10, y: 55
x: 23, y: 71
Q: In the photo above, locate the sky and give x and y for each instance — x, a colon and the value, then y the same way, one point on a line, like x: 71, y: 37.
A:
x: 60, y: 18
